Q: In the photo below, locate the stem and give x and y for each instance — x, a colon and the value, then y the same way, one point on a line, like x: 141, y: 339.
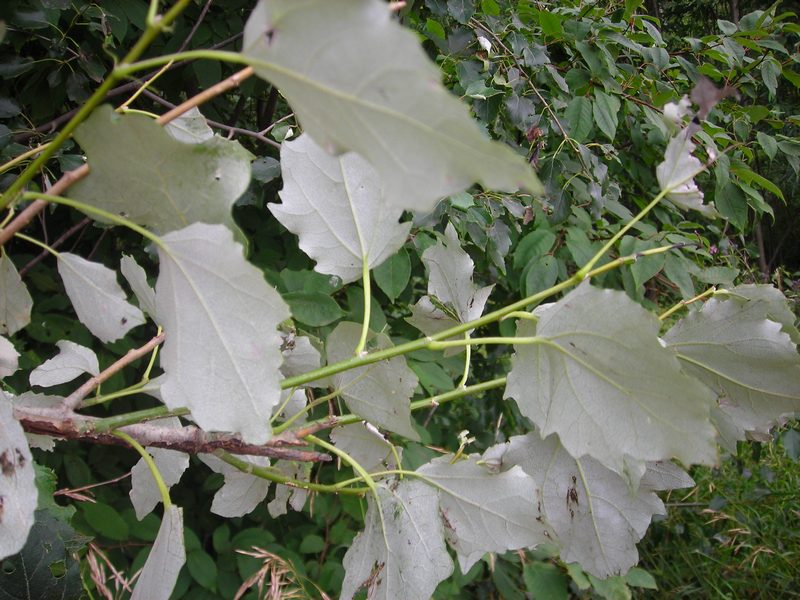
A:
x: 467, y: 357
x: 368, y: 480
x: 709, y: 292
x: 362, y: 341
x: 129, y: 68
x: 25, y: 155
x: 162, y: 487
x: 486, y: 340
x: 139, y: 416
x: 36, y: 242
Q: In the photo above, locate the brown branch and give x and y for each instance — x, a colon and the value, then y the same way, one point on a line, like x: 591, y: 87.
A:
x: 63, y: 238
x: 189, y: 439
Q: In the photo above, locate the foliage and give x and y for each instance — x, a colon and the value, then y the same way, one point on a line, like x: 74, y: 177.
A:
x: 267, y: 369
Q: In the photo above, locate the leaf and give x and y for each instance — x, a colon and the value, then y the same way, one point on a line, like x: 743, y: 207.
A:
x: 358, y: 81
x: 662, y: 475
x: 9, y: 358
x: 545, y: 581
x: 313, y: 309
x: 222, y: 353
x: 596, y: 519
x: 285, y: 496
x: 160, y: 572
x: 265, y: 169
x: 485, y: 511
x: 450, y: 281
x: 190, y: 128
x: 15, y: 300
x: 97, y: 298
x: 380, y: 392
x: 767, y: 143
x: 171, y: 464
x: 17, y: 490
x: 242, y: 492
x: 335, y: 206
x: 605, y: 110
x: 72, y: 361
x: 601, y: 380
x: 299, y: 355
x: 394, y: 274
x: 461, y: 10
x: 140, y: 171
x: 137, y: 279
x: 105, y: 520
x: 676, y: 175
x: 365, y: 444
x: 579, y: 115
x: 750, y: 363
x: 401, y: 552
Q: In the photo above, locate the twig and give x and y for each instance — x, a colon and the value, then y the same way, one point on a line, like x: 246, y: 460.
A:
x: 72, y: 401
x: 215, y: 90
x: 63, y: 238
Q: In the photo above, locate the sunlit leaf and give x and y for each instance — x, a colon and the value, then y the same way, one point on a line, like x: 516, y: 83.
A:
x: 603, y: 382
x: 72, y: 361
x: 17, y: 487
x: 137, y: 279
x: 380, y: 392
x: 336, y: 208
x: 676, y: 175
x: 97, y: 298
x: 747, y: 359
x: 486, y: 511
x: 401, y: 552
x: 358, y: 81
x: 166, y: 558
x: 241, y: 492
x: 15, y: 301
x: 222, y: 351
x: 140, y: 171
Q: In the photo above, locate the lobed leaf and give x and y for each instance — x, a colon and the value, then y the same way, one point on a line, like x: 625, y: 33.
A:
x: 286, y: 496
x: 366, y: 445
x: 358, y: 81
x: 222, y: 351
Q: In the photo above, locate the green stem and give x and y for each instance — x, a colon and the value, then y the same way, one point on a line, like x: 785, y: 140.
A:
x: 362, y: 341
x: 350, y: 461
x: 482, y: 341
x: 96, y: 98
x: 132, y: 418
x: 316, y: 402
x: 129, y: 68
x: 709, y: 292
x: 467, y: 358
x: 162, y: 487
x: 36, y: 242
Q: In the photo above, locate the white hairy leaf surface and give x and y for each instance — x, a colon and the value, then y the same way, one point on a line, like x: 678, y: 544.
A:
x: 401, y: 552
x: 600, y: 378
x: 18, y: 493
x: 358, y: 81
x: 141, y: 172
x: 9, y: 358
x: 222, y: 351
x: 677, y: 172
x: 97, y: 298
x: 71, y: 361
x: 161, y: 569
x: 137, y: 279
x: 299, y: 355
x: 379, y: 393
x: 241, y: 492
x: 15, y: 300
x: 289, y: 497
x: 747, y: 359
x: 334, y: 204
x: 365, y: 444
x: 486, y: 511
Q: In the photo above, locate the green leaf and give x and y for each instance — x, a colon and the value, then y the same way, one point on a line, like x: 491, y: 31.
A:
x: 605, y: 110
x: 485, y: 511
x: 242, y: 492
x: 638, y: 577
x: 790, y: 440
x: 97, y: 298
x: 550, y: 24
x: 610, y: 588
x: 768, y: 144
x: 532, y: 246
x: 18, y: 482
x: 770, y: 71
x: 46, y: 481
x: 746, y: 358
x: 432, y: 377
x: 732, y: 205
x: 15, y: 300
x: 265, y: 169
x: 403, y: 539
x: 380, y: 392
x: 73, y: 360
x: 545, y: 581
x: 394, y: 274
x: 539, y: 275
x: 202, y: 568
x: 579, y: 115
x: 160, y: 572
x: 190, y: 128
x: 105, y: 520
x: 223, y: 343
x: 313, y: 309
x: 600, y: 373
x: 676, y: 175
x: 461, y: 10
x: 336, y: 208
x: 356, y: 80
x: 139, y: 171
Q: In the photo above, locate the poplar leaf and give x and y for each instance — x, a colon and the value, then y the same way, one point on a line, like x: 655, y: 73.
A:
x: 676, y: 175
x: 222, y: 351
x: 335, y: 206
x: 15, y: 300
x: 71, y: 361
x: 365, y: 444
x: 358, y: 81
x: 299, y: 355
x: 160, y: 571
x: 18, y: 493
x: 596, y: 519
x: 140, y: 171
x: 401, y: 552
x: 747, y: 359
x: 144, y: 493
x: 485, y: 511
x: 97, y: 298
x: 9, y: 358
x: 242, y: 492
x: 285, y: 496
x: 380, y: 392
x: 191, y: 127
x: 137, y: 279
x: 603, y: 382
x: 663, y: 475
